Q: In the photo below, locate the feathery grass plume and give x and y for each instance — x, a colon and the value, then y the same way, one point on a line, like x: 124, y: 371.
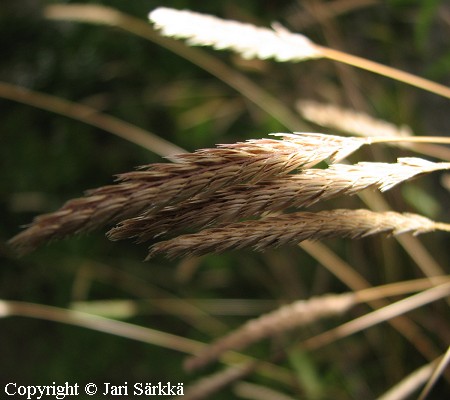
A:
x: 361, y: 124
x: 246, y: 39
x: 293, y: 228
x: 302, y: 313
x: 280, y: 44
x: 299, y: 190
x: 299, y: 313
x: 203, y: 171
x: 356, y: 123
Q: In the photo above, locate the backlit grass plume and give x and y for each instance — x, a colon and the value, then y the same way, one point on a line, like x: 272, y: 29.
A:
x: 350, y: 121
x: 246, y: 39
x: 278, y: 43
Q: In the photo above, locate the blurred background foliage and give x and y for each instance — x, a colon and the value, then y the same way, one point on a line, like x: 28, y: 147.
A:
x: 48, y: 159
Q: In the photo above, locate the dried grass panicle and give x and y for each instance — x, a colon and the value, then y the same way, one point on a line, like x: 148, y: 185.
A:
x: 293, y: 228
x: 246, y: 39
x: 253, y: 42
x: 350, y: 121
x: 299, y: 190
x: 299, y: 313
x: 204, y: 171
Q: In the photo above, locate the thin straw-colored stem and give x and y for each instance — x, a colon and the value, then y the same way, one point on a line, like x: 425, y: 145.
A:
x: 378, y: 316
x: 189, y: 311
x: 299, y: 314
x: 409, y: 385
x: 399, y: 392
x: 436, y: 374
x: 205, y: 387
x: 410, y: 139
x: 355, y: 281
x: 100, y: 324
x: 97, y: 14
x: 127, y: 330
x: 90, y: 116
x: 387, y: 71
x: 398, y: 288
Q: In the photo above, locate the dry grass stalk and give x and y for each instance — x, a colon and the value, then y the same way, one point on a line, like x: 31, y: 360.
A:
x: 90, y: 116
x: 356, y: 123
x: 407, y: 386
x: 297, y: 314
x: 246, y: 39
x: 203, y: 171
x: 301, y: 313
x: 204, y: 387
x: 437, y: 373
x: 293, y: 228
x: 97, y: 14
x: 436, y: 292
x: 94, y: 322
x: 264, y: 327
x: 299, y: 190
